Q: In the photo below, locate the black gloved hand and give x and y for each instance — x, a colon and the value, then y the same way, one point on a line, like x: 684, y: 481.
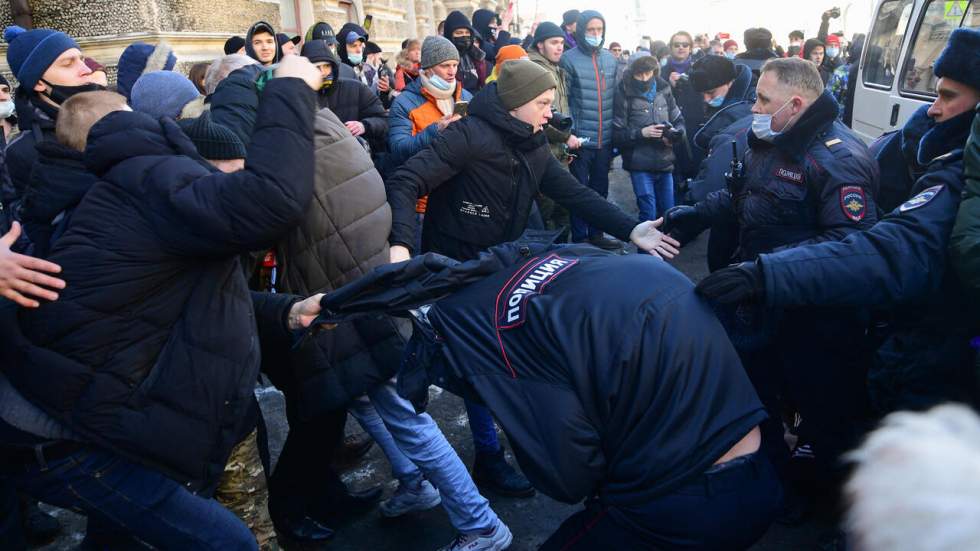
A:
x: 737, y: 283
x: 683, y: 223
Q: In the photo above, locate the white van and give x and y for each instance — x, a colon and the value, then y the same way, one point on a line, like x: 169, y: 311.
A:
x: 895, y: 75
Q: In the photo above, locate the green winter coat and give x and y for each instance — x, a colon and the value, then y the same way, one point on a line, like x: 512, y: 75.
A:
x: 965, y: 240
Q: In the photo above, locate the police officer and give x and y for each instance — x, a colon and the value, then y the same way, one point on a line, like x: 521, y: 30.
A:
x: 899, y: 265
x: 657, y: 433
x: 806, y: 179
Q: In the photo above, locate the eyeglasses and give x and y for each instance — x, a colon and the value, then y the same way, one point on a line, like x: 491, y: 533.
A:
x: 681, y: 44
x: 617, y: 49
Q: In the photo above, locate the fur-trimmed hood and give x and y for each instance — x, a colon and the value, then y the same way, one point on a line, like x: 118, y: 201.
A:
x: 140, y: 58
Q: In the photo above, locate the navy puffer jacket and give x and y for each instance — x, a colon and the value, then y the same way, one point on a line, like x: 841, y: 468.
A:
x: 591, y: 75
x: 151, y: 349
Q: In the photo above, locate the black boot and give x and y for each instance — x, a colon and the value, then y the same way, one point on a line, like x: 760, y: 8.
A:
x: 301, y: 530
x: 491, y: 471
x: 39, y: 527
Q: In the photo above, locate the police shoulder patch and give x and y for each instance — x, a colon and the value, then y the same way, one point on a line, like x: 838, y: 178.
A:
x: 853, y: 202
x: 511, y: 307
x: 921, y: 199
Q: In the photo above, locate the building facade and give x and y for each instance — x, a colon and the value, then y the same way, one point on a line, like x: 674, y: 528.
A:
x: 197, y: 29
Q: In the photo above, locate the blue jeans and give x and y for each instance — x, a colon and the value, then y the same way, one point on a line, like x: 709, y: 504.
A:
x: 654, y: 193
x: 591, y: 169
x: 402, y: 468
x: 419, y: 439
x: 481, y: 425
x: 124, y: 500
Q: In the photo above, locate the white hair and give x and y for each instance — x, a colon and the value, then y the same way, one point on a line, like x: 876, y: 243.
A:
x: 222, y: 67
x: 917, y: 483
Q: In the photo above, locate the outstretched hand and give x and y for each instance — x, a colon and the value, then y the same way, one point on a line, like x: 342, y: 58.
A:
x: 647, y: 237
x: 302, y: 313
x: 22, y: 277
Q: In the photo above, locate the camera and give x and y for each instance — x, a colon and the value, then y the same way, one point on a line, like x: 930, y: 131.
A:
x: 671, y: 133
x: 560, y: 121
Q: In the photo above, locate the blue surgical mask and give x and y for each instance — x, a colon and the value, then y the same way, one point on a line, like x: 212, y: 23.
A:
x: 730, y: 55
x: 762, y: 125
x: 7, y: 108
x: 833, y: 52
x: 439, y: 83
x: 716, y: 101
x: 593, y: 41
x: 356, y: 59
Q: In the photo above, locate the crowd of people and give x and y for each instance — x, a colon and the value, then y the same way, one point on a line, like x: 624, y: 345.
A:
x: 354, y: 230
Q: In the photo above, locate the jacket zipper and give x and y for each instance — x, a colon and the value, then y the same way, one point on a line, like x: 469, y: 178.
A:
x: 598, y: 85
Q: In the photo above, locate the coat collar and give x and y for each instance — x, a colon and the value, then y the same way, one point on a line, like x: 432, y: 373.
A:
x: 795, y: 141
x: 944, y: 137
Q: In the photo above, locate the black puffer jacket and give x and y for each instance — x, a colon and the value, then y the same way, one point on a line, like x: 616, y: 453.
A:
x: 235, y: 101
x: 151, y: 349
x: 482, y: 175
x: 352, y: 100
x: 633, y: 111
x: 36, y: 125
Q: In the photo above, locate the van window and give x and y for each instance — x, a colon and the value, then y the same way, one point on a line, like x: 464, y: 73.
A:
x: 885, y: 43
x: 940, y: 18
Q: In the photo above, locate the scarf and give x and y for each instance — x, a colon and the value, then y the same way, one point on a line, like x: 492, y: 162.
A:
x: 681, y: 67
x: 444, y: 98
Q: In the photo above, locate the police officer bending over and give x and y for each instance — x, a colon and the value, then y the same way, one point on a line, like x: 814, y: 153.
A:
x: 806, y: 179
x: 626, y: 397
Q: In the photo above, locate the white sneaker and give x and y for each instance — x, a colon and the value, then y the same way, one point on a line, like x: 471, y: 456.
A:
x: 497, y: 540
x: 409, y: 498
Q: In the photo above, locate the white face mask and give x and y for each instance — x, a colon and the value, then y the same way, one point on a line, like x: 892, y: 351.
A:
x: 7, y: 109
x: 762, y: 125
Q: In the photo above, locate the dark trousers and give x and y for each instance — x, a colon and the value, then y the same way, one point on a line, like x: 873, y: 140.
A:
x: 124, y: 500
x: 11, y: 531
x: 303, y: 480
x: 728, y: 507
x: 591, y: 169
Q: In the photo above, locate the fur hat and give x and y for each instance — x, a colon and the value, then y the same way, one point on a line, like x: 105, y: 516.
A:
x: 960, y: 61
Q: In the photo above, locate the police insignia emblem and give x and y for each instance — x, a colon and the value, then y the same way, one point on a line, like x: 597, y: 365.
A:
x: 921, y: 199
x: 853, y: 202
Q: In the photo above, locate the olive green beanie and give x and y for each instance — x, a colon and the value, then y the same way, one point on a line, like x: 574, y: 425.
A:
x: 520, y: 81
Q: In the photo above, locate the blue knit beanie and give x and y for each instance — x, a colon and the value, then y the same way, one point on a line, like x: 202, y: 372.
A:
x: 140, y: 58
x: 960, y: 61
x: 162, y: 94
x: 30, y: 53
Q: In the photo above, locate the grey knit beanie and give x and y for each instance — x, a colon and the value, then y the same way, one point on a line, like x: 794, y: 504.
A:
x: 436, y: 49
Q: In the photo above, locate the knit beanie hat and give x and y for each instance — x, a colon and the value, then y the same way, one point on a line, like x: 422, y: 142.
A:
x: 545, y: 31
x: 162, y: 94
x: 212, y: 140
x: 30, y: 53
x: 94, y: 65
x: 436, y: 49
x: 509, y: 53
x: 960, y: 61
x: 832, y: 39
x: 521, y: 81
x: 710, y: 72
x: 729, y: 43
x: 233, y: 44
x: 140, y: 58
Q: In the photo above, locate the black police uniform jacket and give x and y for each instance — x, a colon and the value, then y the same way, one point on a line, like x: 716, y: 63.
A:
x: 610, y: 376
x: 816, y: 182
x: 151, y: 349
x: 481, y: 175
x: 901, y: 265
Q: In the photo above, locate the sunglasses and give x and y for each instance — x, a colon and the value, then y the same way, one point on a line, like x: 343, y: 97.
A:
x: 682, y: 44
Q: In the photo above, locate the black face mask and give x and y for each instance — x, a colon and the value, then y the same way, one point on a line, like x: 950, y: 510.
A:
x: 463, y: 43
x: 59, y: 93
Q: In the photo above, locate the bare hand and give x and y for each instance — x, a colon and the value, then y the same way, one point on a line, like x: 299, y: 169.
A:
x: 647, y: 237
x: 356, y: 127
x: 297, y: 66
x: 302, y: 313
x: 673, y: 78
x: 398, y: 253
x: 653, y: 131
x: 383, y: 85
x: 573, y: 142
x: 446, y: 121
x: 21, y: 277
